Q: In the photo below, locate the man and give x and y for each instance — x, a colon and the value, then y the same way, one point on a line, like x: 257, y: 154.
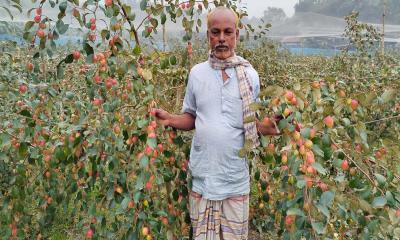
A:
x: 217, y: 100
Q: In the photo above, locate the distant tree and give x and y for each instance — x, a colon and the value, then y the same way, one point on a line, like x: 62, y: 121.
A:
x: 273, y: 14
x: 370, y: 10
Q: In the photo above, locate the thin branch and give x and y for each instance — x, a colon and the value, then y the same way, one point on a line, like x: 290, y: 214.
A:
x: 355, y: 163
x: 130, y: 23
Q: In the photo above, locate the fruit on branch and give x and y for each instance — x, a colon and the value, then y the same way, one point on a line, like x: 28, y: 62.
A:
x: 38, y: 11
x: 329, y: 122
x: 89, y: 233
x: 40, y: 33
x: 37, y: 18
x: 345, y: 165
x: 108, y: 3
x: 22, y: 88
x: 29, y: 67
x: 354, y: 104
x: 316, y: 84
x: 76, y: 54
x: 145, y: 231
x: 289, y: 95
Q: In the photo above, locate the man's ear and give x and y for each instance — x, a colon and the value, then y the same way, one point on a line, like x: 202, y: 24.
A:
x: 237, y: 34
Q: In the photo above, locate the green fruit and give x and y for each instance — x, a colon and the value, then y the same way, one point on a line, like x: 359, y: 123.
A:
x: 265, y: 197
x: 257, y: 175
x: 264, y: 185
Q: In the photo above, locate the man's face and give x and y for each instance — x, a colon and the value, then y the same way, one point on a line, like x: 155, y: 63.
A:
x: 222, y: 34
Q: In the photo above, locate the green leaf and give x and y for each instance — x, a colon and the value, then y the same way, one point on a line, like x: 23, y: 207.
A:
x: 327, y: 198
x: 136, y: 50
x: 381, y: 179
x: 29, y: 25
x: 88, y: 49
x: 295, y: 211
x: 390, y: 198
x: 143, y: 5
x: 172, y: 60
x: 379, y: 202
x: 163, y: 18
x: 324, y: 210
x: 61, y: 27
x: 305, y: 132
x: 69, y: 58
x: 152, y: 142
x: 388, y: 95
x: 317, y: 150
x: 154, y: 22
x: 300, y: 184
x: 124, y: 203
x: 318, y: 227
x: 319, y: 168
x: 63, y: 6
x: 144, y: 161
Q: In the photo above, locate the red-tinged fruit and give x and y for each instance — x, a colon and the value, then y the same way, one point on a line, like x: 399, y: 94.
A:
x: 37, y: 18
x: 329, y: 122
x: 310, y: 158
x: 145, y: 231
x: 267, y: 122
x: 152, y: 135
x: 23, y: 88
x: 29, y: 67
x: 398, y: 213
x: 148, y: 185
x: 316, y: 84
x: 289, y: 95
x: 345, y: 165
x: 287, y: 112
x: 354, y: 104
x: 308, y: 144
x: 89, y: 233
x: 41, y: 34
x: 76, y: 54
x: 271, y: 148
x: 97, y: 79
x: 289, y: 220
x: 160, y: 147
x: 97, y: 102
x: 108, y: 3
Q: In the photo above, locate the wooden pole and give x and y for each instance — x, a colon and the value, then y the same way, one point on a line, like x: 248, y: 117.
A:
x: 164, y: 32
x: 383, y: 28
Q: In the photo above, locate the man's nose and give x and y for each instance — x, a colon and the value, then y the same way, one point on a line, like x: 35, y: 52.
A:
x: 221, y: 38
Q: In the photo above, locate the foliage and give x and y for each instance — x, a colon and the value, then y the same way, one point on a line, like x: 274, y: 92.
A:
x: 78, y: 139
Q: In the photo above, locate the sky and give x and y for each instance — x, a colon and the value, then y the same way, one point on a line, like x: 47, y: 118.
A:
x: 256, y: 7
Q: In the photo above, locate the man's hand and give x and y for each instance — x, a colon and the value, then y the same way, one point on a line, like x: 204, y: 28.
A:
x: 184, y: 121
x: 163, y: 116
x: 267, y: 129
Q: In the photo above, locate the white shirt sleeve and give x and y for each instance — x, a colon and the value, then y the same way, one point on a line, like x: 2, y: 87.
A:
x: 189, y: 102
x: 255, y: 80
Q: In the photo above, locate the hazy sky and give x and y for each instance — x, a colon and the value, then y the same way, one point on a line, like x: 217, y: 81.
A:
x: 257, y: 7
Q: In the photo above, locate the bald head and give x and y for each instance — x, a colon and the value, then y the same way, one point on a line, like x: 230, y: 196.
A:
x: 222, y: 32
x: 222, y: 13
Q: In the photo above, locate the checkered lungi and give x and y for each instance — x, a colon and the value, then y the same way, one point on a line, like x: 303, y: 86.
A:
x: 219, y: 220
